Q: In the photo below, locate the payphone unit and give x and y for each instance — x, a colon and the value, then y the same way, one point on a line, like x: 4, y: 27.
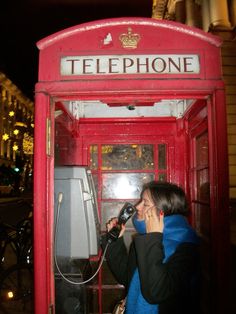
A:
x: 77, y: 221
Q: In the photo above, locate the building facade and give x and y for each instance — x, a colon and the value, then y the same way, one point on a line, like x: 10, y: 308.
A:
x: 217, y: 17
x: 16, y: 135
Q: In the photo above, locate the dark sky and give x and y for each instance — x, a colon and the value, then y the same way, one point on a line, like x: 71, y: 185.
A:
x: 24, y: 22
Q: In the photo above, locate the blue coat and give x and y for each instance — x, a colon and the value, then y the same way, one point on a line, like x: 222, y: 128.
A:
x: 172, y: 285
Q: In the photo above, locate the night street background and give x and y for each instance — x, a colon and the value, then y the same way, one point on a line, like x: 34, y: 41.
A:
x: 25, y: 22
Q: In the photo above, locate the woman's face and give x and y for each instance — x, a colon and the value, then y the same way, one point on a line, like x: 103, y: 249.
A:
x: 144, y: 204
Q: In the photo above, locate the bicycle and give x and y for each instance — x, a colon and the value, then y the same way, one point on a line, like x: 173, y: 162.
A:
x: 24, y: 240
x: 16, y: 290
x: 16, y: 243
x: 16, y: 280
x: 9, y: 245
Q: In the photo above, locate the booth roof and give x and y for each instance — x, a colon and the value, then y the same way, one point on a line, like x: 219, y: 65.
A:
x: 161, y: 24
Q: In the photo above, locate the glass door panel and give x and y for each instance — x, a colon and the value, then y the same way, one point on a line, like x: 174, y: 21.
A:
x: 202, y: 197
x: 202, y: 211
x: 120, y: 170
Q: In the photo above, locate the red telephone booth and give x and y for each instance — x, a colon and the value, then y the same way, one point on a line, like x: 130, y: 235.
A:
x: 130, y: 99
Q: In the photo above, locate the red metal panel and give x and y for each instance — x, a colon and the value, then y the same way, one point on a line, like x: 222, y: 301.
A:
x: 220, y: 200
x: 42, y: 214
x: 209, y: 116
x: 143, y: 90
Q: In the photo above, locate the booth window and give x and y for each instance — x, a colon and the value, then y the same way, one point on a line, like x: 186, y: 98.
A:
x: 122, y: 157
x: 121, y: 170
x: 202, y: 203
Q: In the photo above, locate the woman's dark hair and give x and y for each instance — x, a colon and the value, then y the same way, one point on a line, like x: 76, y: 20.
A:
x: 168, y: 197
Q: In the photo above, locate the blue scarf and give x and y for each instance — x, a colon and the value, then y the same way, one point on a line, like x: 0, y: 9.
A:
x: 176, y: 231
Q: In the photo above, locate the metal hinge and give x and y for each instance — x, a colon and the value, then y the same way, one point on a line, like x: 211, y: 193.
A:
x: 48, y: 136
x: 50, y: 309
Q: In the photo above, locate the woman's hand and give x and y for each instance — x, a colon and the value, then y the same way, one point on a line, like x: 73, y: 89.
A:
x: 112, y: 223
x: 154, y: 222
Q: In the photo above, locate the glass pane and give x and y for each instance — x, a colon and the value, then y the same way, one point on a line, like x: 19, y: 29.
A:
x: 110, y: 210
x: 93, y: 157
x: 92, y: 300
x: 64, y: 144
x: 205, y: 250
x: 161, y: 156
x: 162, y: 177
x: 202, y: 150
x: 202, y: 219
x: 203, y: 185
x: 124, y: 185
x: 127, y: 157
x: 66, y: 293
x: 95, y: 180
x: 111, y: 296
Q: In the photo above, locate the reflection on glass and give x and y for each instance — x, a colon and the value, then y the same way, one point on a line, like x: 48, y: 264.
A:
x: 63, y: 146
x: 161, y: 156
x: 64, y: 142
x: 92, y: 301
x: 110, y: 210
x: 162, y: 177
x: 67, y: 294
x: 110, y: 297
x: 203, y: 185
x: 202, y: 219
x: 93, y: 157
x: 124, y: 185
x: 95, y: 180
x: 202, y: 150
x: 127, y: 157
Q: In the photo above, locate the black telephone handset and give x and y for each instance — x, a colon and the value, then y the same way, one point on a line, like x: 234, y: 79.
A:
x: 125, y: 213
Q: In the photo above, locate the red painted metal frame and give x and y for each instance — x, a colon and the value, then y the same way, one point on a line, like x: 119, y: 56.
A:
x: 157, y: 36
x: 43, y: 220
x: 204, y: 116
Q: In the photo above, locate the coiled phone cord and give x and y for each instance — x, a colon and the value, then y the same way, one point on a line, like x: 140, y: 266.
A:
x: 60, y: 197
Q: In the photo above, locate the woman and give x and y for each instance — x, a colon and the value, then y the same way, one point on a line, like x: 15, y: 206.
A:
x: 160, y: 272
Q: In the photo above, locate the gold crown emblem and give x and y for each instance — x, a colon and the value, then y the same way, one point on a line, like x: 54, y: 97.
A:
x: 129, y: 40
